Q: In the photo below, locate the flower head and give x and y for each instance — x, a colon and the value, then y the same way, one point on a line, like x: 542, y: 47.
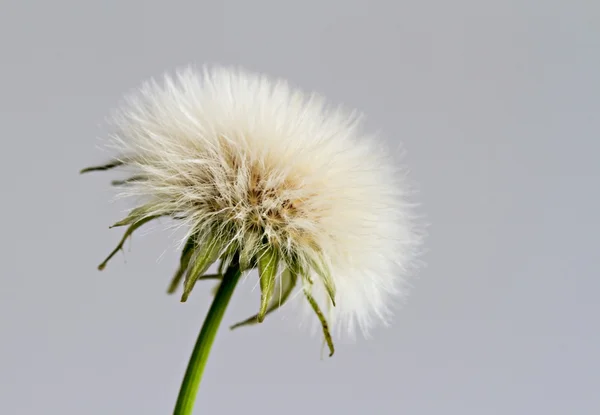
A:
x: 267, y: 177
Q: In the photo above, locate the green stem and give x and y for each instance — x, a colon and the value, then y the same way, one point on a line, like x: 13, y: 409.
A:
x: 193, y: 374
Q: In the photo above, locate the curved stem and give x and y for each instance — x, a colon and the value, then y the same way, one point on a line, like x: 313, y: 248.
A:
x: 193, y: 374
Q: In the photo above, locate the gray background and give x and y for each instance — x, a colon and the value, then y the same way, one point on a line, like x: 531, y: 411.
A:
x: 497, y: 106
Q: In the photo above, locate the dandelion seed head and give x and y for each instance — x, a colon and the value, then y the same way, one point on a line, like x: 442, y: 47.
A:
x: 260, y: 162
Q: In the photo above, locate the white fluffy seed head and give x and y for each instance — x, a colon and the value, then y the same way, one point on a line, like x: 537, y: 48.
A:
x: 254, y: 158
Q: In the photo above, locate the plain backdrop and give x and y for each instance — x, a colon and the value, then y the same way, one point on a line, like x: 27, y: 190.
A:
x: 497, y: 105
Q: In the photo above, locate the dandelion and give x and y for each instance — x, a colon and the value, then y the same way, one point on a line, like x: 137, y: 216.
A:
x: 265, y: 177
